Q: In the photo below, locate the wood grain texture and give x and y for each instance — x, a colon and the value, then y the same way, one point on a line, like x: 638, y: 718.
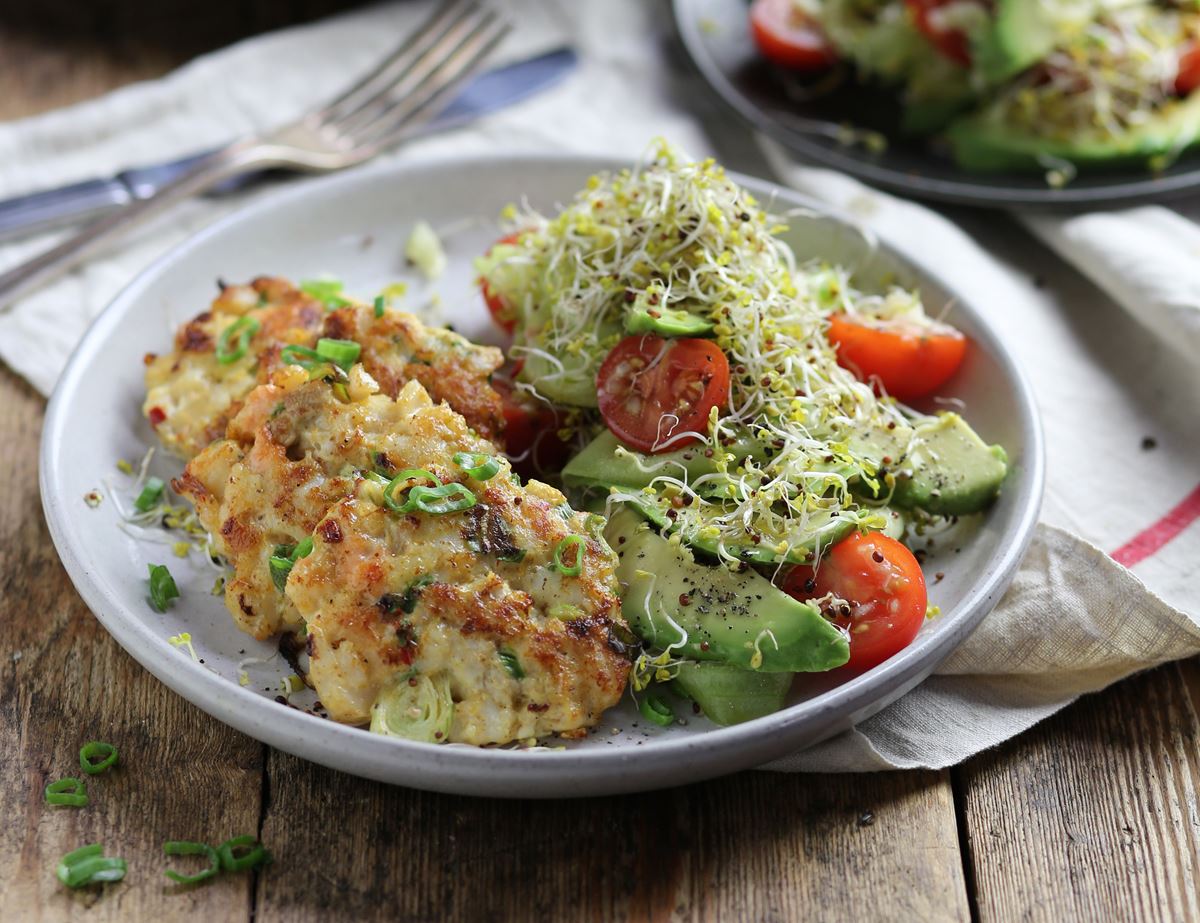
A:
x: 1093, y: 815
x: 63, y: 682
x: 757, y: 846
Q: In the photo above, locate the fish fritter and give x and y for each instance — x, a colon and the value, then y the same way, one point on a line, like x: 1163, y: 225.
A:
x: 484, y: 599
x: 472, y: 600
x: 192, y: 394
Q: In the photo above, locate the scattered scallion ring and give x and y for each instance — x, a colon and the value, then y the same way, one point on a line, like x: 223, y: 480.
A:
x: 96, y: 756
x: 447, y: 498
x: 186, y: 848
x: 511, y: 663
x: 71, y: 792
x: 342, y: 353
x: 243, y: 328
x: 282, y: 559
x: 379, y: 302
x: 88, y: 865
x: 562, y: 548
x: 300, y: 355
x: 327, y: 291
x: 400, y: 481
x: 655, y: 709
x: 480, y: 466
x: 242, y: 852
x: 151, y: 493
x: 162, y: 587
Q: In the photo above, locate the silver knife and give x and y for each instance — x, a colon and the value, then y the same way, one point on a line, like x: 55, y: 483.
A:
x: 79, y: 202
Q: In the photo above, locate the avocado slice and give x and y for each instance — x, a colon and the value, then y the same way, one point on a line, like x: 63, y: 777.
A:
x: 730, y: 695
x: 985, y: 142
x: 667, y: 322
x: 949, y: 470
x: 599, y: 464
x: 739, y: 619
x: 1023, y: 32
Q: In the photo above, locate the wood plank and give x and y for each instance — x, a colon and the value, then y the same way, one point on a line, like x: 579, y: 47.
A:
x: 1092, y: 815
x: 757, y: 846
x: 63, y: 682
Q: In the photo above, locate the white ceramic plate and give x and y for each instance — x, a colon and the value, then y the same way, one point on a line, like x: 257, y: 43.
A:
x: 354, y: 226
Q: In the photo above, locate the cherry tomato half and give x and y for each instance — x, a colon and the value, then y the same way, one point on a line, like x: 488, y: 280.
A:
x: 1188, y: 77
x: 908, y: 360
x: 951, y: 43
x: 789, y: 38
x: 501, y: 312
x: 531, y: 428
x: 650, y: 388
x: 885, y: 589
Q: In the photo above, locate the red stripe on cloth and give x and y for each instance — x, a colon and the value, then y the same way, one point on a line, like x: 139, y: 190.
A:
x: 1151, y: 539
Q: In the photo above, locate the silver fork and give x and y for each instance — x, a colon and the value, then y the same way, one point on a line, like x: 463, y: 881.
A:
x: 409, y: 86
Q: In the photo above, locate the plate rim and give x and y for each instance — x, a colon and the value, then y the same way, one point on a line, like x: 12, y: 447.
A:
x: 956, y: 192
x: 497, y: 772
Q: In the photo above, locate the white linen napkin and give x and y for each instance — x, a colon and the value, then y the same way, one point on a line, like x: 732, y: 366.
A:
x: 1074, y: 620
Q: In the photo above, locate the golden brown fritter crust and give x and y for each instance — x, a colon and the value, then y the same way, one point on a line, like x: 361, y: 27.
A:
x: 191, y: 396
x: 383, y: 593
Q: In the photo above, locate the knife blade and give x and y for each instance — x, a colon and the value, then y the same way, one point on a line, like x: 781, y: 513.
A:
x: 79, y: 202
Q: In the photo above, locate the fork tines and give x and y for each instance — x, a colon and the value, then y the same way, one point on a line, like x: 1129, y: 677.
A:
x: 431, y: 63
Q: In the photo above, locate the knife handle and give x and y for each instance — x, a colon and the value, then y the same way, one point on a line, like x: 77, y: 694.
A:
x: 44, y: 211
x: 55, y: 208
x: 205, y: 173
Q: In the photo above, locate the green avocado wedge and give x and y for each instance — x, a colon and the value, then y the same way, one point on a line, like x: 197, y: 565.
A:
x: 984, y: 142
x: 949, y: 470
x: 605, y: 462
x: 667, y: 322
x: 712, y: 613
x: 1022, y: 32
x: 730, y: 695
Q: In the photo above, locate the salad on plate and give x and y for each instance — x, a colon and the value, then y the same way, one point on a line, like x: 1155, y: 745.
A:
x: 695, y: 472
x: 1009, y: 85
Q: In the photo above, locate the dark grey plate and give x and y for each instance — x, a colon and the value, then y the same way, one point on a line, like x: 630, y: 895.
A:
x: 716, y: 37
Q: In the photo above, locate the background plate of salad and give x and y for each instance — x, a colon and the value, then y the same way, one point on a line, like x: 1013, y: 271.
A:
x: 1042, y: 103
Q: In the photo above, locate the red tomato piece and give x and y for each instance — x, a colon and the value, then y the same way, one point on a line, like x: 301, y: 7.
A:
x: 502, y: 313
x: 908, y: 360
x: 650, y: 389
x: 789, y: 38
x: 531, y: 429
x: 951, y: 43
x: 882, y: 583
x: 1188, y: 77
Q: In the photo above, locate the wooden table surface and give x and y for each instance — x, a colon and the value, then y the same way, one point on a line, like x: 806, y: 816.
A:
x: 1093, y: 815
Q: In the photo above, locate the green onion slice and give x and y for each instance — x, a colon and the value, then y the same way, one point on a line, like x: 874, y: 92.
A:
x: 243, y: 328
x: 655, y: 709
x: 342, y: 353
x: 242, y: 852
x: 71, y: 792
x: 379, y: 302
x: 300, y: 355
x: 511, y: 664
x: 400, y: 482
x: 283, y: 557
x: 186, y: 848
x: 162, y: 587
x: 96, y: 756
x: 150, y: 495
x: 88, y: 865
x: 448, y: 498
x: 328, y: 291
x: 480, y: 466
x: 564, y: 547
x: 280, y: 565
